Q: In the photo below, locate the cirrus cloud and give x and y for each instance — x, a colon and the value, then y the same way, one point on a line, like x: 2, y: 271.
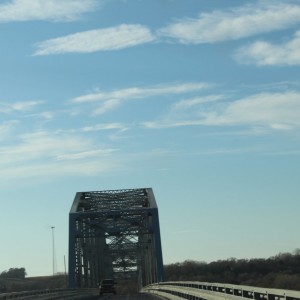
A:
x: 113, y: 38
x: 262, y: 53
x: 277, y: 111
x: 106, y: 101
x: 44, y: 153
x: 46, y: 10
x: 19, y: 106
x: 234, y: 23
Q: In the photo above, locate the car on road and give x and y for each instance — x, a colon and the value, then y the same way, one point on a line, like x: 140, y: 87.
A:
x: 107, y: 286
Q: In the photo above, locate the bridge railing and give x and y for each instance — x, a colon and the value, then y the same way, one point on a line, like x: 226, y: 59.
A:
x: 194, y: 290
x: 51, y: 294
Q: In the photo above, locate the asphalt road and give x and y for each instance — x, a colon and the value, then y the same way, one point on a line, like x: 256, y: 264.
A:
x: 139, y: 296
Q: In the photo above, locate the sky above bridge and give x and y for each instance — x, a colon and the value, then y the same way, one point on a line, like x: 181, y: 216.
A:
x: 198, y: 99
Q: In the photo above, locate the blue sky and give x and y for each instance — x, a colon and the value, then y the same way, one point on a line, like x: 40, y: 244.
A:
x: 198, y: 99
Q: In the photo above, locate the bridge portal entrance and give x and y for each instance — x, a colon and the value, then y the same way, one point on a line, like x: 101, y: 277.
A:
x: 114, y: 234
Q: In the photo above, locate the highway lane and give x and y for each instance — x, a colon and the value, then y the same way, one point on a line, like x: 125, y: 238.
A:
x: 139, y: 296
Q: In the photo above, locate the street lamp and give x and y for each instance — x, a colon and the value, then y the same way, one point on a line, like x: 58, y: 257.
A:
x: 53, y: 251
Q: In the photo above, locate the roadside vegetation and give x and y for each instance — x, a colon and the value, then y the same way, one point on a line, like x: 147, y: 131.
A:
x: 32, y: 283
x: 281, y: 271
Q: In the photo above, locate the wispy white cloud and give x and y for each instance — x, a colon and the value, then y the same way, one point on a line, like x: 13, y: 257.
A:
x: 49, y: 146
x: 234, y: 23
x: 107, y: 101
x: 108, y: 126
x: 262, y: 53
x: 106, y: 106
x: 168, y: 123
x: 138, y: 92
x: 18, y: 106
x: 189, y: 103
x: 113, y: 38
x: 44, y: 153
x: 85, y: 154
x: 45, y: 10
x: 48, y: 10
x: 39, y: 145
x: 48, y: 115
x: 59, y: 169
x: 6, y: 129
x: 278, y: 111
x: 232, y: 151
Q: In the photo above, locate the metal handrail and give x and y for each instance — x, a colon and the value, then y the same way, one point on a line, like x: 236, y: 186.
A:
x: 195, y: 290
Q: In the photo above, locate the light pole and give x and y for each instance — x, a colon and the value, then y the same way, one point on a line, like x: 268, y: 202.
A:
x: 53, y: 251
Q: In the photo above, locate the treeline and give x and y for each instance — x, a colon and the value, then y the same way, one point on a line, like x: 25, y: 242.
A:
x: 16, y: 273
x: 281, y: 271
x: 9, y: 285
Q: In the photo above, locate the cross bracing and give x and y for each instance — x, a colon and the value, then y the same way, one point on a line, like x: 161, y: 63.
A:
x: 114, y: 234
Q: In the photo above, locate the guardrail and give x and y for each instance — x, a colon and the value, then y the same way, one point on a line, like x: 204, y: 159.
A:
x: 194, y: 290
x: 51, y: 294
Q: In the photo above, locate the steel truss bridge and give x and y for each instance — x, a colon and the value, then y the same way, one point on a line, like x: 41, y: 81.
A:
x: 114, y: 234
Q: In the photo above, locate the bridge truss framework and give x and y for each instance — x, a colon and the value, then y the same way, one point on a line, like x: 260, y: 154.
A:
x: 114, y: 234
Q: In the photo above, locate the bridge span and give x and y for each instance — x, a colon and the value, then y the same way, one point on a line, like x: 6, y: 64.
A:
x: 114, y: 234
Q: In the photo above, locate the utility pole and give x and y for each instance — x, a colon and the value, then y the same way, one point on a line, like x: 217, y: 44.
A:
x: 65, y: 272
